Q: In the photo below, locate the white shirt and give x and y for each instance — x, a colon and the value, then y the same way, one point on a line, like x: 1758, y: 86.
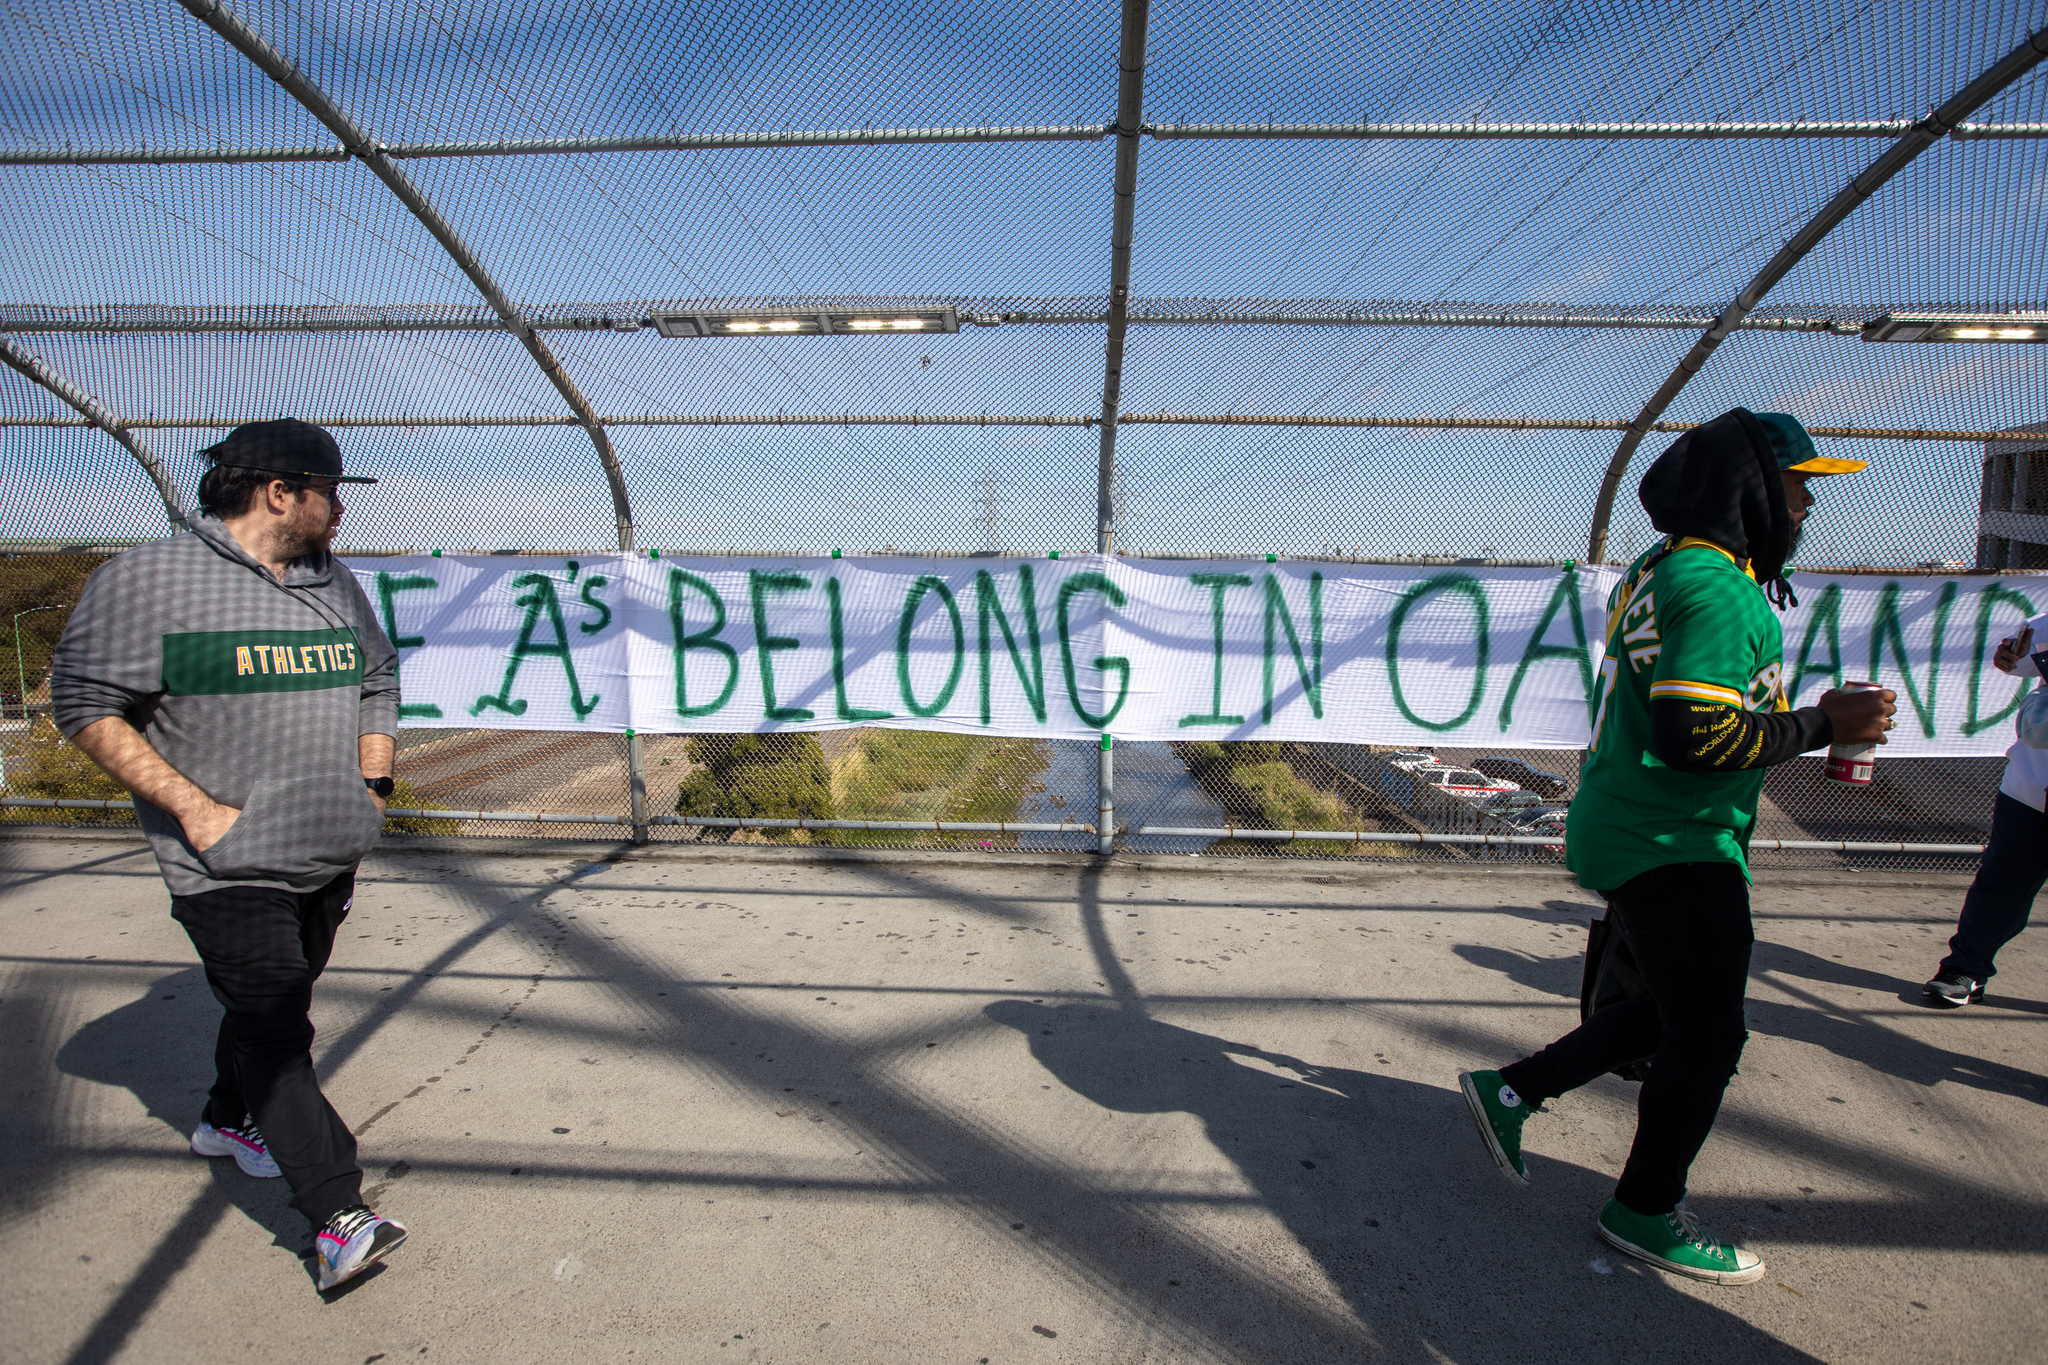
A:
x: 2026, y: 767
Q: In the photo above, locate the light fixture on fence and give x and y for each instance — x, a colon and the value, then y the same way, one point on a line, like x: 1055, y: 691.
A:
x: 793, y: 323
x: 2010, y: 327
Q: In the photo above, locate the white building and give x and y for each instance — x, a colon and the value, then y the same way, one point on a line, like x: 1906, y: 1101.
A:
x: 2012, y: 509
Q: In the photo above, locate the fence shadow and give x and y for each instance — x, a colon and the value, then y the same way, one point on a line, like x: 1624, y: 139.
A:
x: 1382, y: 1182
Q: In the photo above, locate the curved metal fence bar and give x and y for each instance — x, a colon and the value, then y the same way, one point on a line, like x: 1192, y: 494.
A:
x: 1896, y: 158
x: 273, y: 64
x: 785, y: 419
x: 1130, y: 113
x: 36, y: 371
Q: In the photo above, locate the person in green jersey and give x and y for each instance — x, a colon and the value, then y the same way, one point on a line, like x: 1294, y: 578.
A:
x: 1690, y: 710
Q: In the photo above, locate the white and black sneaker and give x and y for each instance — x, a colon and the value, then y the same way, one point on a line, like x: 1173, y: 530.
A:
x: 242, y: 1142
x: 354, y: 1240
x: 1953, y: 990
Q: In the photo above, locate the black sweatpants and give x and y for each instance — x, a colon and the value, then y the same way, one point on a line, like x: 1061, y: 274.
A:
x: 2014, y: 869
x: 263, y: 949
x: 1688, y: 926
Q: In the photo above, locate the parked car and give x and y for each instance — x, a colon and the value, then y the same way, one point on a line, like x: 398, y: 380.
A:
x: 1522, y: 775
x: 1466, y: 782
x: 1534, y: 815
x: 1502, y: 805
x: 1409, y: 758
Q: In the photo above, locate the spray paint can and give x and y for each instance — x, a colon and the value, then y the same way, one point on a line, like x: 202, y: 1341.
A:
x: 1852, y: 764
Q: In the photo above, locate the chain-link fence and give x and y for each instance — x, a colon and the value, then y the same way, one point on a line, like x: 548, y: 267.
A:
x: 1158, y: 279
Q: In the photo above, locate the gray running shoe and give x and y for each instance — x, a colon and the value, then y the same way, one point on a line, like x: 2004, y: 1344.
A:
x: 1953, y: 990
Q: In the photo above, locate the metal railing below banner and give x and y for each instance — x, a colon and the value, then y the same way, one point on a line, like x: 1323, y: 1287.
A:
x: 1534, y: 840
x: 1059, y: 827
x: 530, y: 817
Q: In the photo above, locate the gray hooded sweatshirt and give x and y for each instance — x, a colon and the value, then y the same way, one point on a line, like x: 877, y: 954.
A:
x: 255, y: 691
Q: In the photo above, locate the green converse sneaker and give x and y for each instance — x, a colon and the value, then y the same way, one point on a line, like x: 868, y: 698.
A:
x: 1499, y: 1114
x: 1676, y: 1242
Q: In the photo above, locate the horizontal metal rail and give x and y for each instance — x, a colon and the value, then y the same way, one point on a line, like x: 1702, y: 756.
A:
x: 63, y: 547
x: 1085, y: 420
x: 634, y: 317
x: 1064, y: 827
x: 1545, y: 424
x: 942, y: 826
x: 1574, y: 132
x: 1343, y: 836
x: 541, y: 817
x: 1069, y: 132
x: 698, y: 821
x: 1531, y: 840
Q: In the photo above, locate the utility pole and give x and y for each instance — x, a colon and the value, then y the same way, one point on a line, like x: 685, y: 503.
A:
x: 21, y: 669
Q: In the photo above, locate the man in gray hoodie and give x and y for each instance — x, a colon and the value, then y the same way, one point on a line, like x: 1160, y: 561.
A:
x: 235, y: 680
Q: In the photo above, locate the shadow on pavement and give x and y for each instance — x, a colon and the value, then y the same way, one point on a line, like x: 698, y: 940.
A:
x: 149, y: 1049
x: 1372, y: 1176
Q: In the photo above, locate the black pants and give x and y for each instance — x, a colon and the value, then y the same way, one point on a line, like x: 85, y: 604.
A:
x: 2001, y: 898
x: 1688, y: 926
x: 263, y: 949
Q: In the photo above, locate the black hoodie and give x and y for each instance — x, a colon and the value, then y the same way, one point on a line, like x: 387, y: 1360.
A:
x: 1720, y: 482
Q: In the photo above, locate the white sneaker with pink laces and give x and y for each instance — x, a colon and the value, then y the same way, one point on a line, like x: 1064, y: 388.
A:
x: 243, y: 1143
x: 353, y: 1241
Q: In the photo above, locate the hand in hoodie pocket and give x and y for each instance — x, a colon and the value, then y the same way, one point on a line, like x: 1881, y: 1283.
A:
x: 297, y: 828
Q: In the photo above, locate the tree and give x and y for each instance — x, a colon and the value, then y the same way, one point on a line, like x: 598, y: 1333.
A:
x: 758, y: 777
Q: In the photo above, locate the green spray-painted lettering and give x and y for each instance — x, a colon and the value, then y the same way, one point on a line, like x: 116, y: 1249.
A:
x: 907, y: 623
x: 539, y: 600
x: 589, y: 596
x: 1311, y: 678
x: 1886, y: 629
x: 759, y: 585
x: 1218, y: 584
x: 389, y: 585
x: 707, y: 638
x: 1069, y: 590
x: 1469, y: 587
x: 1995, y: 595
x: 1565, y: 598
x: 1825, y: 615
x: 989, y: 603
x: 847, y: 711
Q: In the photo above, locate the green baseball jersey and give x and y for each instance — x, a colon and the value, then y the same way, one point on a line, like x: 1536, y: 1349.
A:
x: 1692, y: 625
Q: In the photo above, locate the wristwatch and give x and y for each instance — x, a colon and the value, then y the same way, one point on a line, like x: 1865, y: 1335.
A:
x: 382, y: 786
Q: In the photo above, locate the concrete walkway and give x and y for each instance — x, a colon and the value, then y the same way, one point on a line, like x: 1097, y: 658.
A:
x: 749, y: 1108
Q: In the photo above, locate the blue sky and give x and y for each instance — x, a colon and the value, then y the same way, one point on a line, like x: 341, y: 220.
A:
x: 1589, y: 224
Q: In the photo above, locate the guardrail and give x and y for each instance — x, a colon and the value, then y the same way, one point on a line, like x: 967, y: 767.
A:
x: 1531, y: 840
x: 530, y: 817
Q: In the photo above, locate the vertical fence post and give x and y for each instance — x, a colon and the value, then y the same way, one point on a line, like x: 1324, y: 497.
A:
x: 1105, y: 789
x: 636, y: 782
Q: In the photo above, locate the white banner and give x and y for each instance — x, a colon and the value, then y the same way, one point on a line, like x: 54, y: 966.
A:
x: 1143, y: 649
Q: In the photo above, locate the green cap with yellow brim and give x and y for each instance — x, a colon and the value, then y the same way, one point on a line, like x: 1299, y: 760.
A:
x: 1794, y: 448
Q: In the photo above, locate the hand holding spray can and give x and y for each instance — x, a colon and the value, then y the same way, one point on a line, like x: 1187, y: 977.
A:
x: 1852, y: 764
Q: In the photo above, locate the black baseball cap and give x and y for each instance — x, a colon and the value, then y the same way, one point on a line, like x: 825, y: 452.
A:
x: 287, y: 447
